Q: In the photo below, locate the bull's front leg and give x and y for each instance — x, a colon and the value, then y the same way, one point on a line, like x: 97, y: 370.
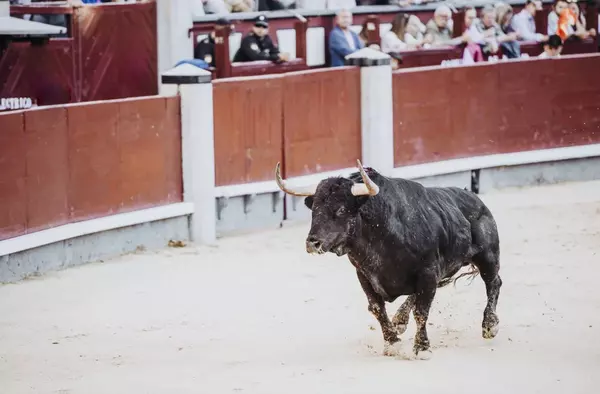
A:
x: 400, y: 320
x: 426, y: 288
x: 377, y: 308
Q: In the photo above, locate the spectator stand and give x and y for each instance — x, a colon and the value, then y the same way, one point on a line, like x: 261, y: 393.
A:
x: 89, y: 62
x: 320, y: 22
x: 532, y: 48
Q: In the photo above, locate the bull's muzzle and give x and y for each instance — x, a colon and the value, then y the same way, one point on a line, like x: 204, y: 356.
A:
x: 313, y: 245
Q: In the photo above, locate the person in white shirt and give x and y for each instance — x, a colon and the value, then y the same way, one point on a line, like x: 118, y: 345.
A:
x: 406, y: 33
x: 552, y: 47
x: 524, y: 23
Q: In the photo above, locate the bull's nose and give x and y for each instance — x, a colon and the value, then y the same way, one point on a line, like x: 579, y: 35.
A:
x: 312, y: 244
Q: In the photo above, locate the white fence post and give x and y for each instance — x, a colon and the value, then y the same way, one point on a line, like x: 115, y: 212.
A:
x: 197, y: 146
x: 377, y: 112
x: 174, y: 18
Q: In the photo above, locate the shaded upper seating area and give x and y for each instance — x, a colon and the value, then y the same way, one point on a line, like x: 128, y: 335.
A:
x: 310, y: 49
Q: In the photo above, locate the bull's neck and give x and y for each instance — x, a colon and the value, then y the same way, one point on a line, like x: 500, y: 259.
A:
x: 366, y: 236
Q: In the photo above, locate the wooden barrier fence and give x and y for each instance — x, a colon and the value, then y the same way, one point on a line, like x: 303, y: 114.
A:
x: 310, y: 120
x: 459, y: 112
x: 66, y: 164
x: 312, y: 47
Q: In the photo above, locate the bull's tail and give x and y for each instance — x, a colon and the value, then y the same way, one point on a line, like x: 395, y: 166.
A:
x: 472, y: 274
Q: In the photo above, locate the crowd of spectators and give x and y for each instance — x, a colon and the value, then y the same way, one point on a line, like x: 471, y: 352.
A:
x: 496, y: 29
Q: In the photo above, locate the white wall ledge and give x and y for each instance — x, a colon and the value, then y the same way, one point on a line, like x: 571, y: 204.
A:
x: 427, y: 169
x: 86, y: 227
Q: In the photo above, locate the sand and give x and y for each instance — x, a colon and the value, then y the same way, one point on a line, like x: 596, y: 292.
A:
x: 258, y: 315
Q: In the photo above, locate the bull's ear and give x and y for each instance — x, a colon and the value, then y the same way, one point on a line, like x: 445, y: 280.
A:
x: 308, y: 201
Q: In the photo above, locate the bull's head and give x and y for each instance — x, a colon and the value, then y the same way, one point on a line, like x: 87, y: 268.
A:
x: 335, y: 204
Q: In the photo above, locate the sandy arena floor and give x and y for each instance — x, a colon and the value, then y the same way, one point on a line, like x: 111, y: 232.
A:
x: 258, y: 315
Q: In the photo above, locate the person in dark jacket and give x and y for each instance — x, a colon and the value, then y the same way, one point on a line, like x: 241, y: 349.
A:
x: 257, y: 45
x: 205, y: 50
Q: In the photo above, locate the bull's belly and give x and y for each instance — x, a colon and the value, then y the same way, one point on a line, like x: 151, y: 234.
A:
x: 390, y: 286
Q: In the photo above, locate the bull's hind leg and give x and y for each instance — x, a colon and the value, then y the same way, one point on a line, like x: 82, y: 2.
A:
x: 400, y: 320
x: 488, y: 263
x: 377, y: 308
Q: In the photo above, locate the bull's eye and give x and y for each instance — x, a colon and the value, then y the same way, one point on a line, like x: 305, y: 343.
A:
x: 341, y: 211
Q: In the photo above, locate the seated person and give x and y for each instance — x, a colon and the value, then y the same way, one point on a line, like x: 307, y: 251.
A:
x: 552, y: 47
x: 257, y: 45
x: 342, y: 40
x: 205, y: 50
x: 524, y: 22
x: 489, y: 35
x: 580, y: 22
x: 439, y: 29
x: 406, y: 33
x: 561, y: 20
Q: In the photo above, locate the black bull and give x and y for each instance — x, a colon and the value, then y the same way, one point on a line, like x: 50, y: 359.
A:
x: 404, y: 239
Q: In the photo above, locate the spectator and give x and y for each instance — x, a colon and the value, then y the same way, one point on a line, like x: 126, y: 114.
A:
x: 472, y: 48
x: 489, y: 35
x: 415, y: 30
x: 257, y: 45
x: 470, y: 16
x: 524, y: 23
x: 552, y: 47
x: 405, y: 33
x: 205, y: 50
x: 393, y: 40
x: 580, y: 23
x: 560, y: 9
x: 342, y: 40
x: 439, y: 29
x: 504, y: 15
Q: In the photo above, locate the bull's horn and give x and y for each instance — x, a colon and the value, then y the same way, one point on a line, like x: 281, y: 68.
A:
x: 368, y: 187
x: 300, y: 193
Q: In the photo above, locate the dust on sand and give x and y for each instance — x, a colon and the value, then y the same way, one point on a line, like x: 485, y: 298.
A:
x: 258, y: 315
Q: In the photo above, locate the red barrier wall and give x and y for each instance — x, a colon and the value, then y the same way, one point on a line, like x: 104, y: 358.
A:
x: 309, y: 120
x: 457, y: 112
x: 322, y: 129
x: 77, y: 162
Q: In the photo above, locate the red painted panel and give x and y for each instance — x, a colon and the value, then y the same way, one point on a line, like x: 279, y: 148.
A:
x: 13, y: 174
x: 248, y: 129
x: 44, y: 73
x: 118, y: 50
x: 143, y: 159
x: 321, y: 120
x: 172, y: 149
x: 94, y: 168
x: 47, y: 168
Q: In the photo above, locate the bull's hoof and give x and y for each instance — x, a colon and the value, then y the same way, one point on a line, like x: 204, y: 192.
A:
x: 401, y: 328
x: 422, y: 354
x: 490, y: 332
x: 391, y: 349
